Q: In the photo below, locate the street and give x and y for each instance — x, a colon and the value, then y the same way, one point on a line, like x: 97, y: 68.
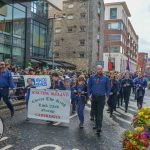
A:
x: 26, y: 135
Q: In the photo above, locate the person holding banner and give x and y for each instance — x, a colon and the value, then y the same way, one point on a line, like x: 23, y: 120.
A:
x: 56, y: 82
x: 81, y: 90
x: 27, y: 90
x: 73, y: 95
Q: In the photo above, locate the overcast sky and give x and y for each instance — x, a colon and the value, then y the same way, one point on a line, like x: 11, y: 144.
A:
x: 140, y: 18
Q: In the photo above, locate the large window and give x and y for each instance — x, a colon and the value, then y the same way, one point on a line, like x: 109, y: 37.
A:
x: 40, y: 8
x: 114, y: 37
x: 115, y: 26
x: 38, y: 42
x: 114, y: 49
x: 113, y: 13
x: 12, y: 32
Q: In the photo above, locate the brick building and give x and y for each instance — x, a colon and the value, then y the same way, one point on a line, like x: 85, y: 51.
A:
x: 142, y: 61
x: 79, y: 35
x: 121, y: 40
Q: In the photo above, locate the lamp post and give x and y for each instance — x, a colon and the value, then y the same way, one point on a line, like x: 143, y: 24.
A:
x: 53, y: 36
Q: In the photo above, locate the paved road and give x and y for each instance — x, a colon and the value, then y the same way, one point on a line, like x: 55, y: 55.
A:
x: 23, y: 135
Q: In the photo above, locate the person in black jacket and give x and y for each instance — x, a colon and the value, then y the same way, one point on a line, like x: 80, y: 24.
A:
x: 127, y: 85
x: 113, y: 94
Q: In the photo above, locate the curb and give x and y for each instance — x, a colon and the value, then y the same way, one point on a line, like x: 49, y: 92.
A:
x: 14, y: 104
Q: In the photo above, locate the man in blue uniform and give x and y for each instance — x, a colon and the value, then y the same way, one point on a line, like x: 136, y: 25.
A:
x: 98, y: 88
x: 6, y: 86
x: 140, y: 84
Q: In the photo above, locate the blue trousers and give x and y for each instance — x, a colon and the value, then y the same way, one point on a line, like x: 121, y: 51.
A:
x: 80, y: 109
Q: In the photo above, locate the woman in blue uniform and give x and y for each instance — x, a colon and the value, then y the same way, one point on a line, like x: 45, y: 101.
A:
x: 80, y: 91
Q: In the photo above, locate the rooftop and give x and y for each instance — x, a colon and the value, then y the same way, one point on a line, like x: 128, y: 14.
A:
x: 124, y: 4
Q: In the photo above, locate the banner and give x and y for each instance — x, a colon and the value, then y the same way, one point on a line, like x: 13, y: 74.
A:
x: 49, y: 105
x: 38, y: 81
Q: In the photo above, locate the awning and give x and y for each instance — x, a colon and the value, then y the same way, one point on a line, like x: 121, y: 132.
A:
x: 35, y: 61
x: 51, y: 63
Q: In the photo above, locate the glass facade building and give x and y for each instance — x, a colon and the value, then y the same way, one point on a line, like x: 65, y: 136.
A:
x: 23, y: 31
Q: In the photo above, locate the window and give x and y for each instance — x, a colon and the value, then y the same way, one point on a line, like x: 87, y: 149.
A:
x: 56, y: 54
x: 113, y: 13
x: 82, y: 42
x: 40, y: 8
x: 114, y: 49
x: 81, y: 55
x: 70, y: 6
x: 57, y: 43
x: 115, y: 26
x: 70, y: 17
x: 70, y: 29
x: 82, y: 15
x: 82, y: 28
x: 114, y: 37
x: 38, y: 40
x: 57, y: 30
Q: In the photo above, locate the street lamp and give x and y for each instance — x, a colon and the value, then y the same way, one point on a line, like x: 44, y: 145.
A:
x: 53, y: 36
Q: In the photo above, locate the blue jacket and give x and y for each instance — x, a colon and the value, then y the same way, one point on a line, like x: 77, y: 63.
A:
x: 6, y: 80
x: 73, y: 95
x: 140, y: 82
x: 99, y: 85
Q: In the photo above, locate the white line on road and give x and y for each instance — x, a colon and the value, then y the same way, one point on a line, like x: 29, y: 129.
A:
x: 3, y: 139
x: 6, y: 147
x: 47, y: 145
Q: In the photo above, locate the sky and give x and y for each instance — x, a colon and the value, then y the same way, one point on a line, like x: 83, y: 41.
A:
x: 140, y: 19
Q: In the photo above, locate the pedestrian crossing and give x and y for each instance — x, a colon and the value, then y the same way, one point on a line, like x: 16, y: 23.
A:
x: 4, y: 144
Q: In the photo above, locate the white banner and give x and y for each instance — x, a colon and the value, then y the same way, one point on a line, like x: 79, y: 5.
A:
x: 39, y: 81
x: 49, y: 105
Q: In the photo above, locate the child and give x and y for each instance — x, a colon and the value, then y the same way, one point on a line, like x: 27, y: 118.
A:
x: 27, y: 90
x: 73, y: 95
x: 81, y: 90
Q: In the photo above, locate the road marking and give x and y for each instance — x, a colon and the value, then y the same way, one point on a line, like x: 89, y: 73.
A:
x: 47, y: 145
x: 6, y: 147
x: 58, y: 123
x: 3, y: 139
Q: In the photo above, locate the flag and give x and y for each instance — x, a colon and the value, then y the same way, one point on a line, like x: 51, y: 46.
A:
x: 128, y: 65
x: 110, y: 66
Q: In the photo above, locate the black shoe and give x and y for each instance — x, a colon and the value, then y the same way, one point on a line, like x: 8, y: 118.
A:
x: 92, y: 119
x: 94, y: 128
x: 125, y: 111
x: 81, y: 126
x: 111, y: 115
x: 98, y: 133
x: 12, y: 113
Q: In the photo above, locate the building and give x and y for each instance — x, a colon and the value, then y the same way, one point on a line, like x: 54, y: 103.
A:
x: 121, y: 40
x: 148, y: 67
x: 78, y: 33
x: 24, y: 30
x: 142, y: 61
